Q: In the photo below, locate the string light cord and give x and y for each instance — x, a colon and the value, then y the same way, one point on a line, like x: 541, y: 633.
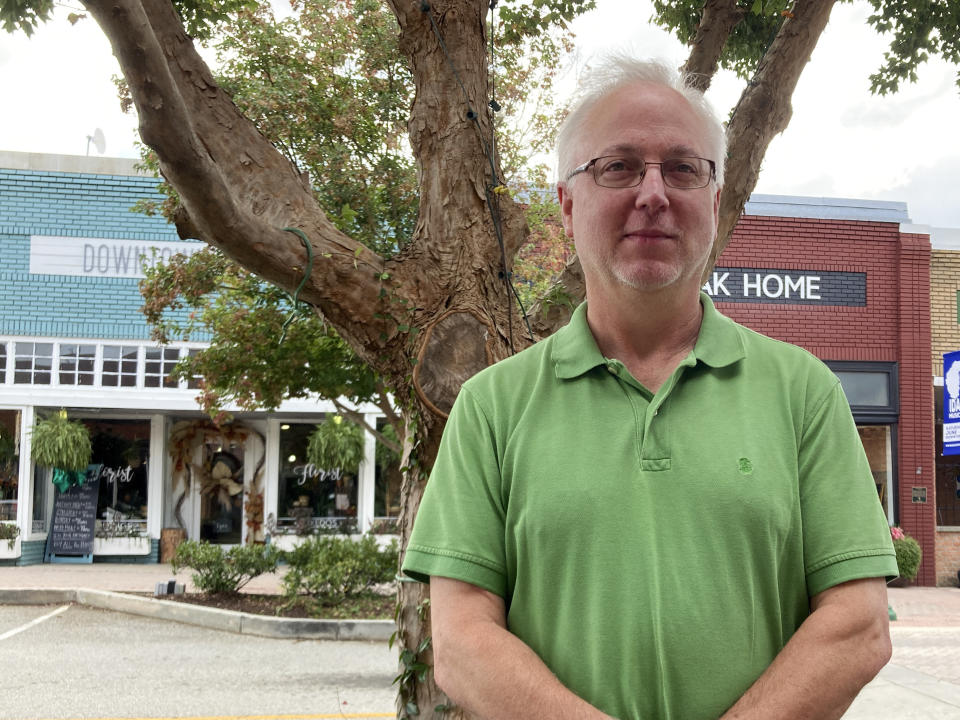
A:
x: 306, y: 276
x: 491, y: 190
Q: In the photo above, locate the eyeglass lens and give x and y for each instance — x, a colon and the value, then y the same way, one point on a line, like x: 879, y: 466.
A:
x: 620, y: 172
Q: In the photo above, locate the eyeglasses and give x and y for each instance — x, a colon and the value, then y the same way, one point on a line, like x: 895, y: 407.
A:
x: 616, y: 171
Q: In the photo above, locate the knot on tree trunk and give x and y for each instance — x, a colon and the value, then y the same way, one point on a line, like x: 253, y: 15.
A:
x: 455, y: 347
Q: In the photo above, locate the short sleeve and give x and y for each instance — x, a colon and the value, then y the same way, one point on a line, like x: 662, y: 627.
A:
x: 459, y: 528
x: 846, y: 535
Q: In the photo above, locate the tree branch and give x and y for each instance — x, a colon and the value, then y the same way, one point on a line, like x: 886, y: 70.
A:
x: 238, y: 192
x: 717, y: 21
x: 764, y: 109
x: 359, y: 419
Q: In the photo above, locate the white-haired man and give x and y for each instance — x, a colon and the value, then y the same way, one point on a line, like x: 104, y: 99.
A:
x: 654, y: 514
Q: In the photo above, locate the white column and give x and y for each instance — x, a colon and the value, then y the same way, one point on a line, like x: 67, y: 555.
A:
x: 25, y: 476
x: 158, y: 452
x: 368, y: 477
x: 271, y: 471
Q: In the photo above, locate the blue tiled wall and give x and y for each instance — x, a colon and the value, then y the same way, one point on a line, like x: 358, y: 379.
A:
x: 77, y: 205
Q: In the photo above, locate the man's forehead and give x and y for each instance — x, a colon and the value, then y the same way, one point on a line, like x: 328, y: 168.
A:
x: 639, y: 150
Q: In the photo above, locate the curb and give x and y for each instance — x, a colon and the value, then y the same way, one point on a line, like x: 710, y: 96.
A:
x: 213, y: 618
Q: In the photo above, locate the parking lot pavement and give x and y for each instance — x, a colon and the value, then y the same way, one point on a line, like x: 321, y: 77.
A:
x: 89, y: 663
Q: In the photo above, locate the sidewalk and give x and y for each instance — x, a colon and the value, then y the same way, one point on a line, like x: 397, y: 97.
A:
x: 140, y: 578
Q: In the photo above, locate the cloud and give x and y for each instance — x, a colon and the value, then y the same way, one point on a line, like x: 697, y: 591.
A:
x: 930, y: 193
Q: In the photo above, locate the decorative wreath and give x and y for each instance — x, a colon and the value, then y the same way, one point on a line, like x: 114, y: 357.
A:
x: 221, y: 475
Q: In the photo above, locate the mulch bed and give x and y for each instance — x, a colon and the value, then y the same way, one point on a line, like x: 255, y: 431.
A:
x: 366, y: 607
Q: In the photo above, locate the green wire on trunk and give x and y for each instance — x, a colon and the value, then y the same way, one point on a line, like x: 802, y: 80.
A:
x: 296, y: 294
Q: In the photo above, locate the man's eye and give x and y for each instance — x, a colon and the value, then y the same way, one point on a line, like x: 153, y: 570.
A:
x: 618, y: 165
x: 682, y: 167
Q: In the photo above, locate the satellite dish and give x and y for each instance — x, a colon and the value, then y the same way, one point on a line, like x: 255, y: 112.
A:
x: 99, y: 141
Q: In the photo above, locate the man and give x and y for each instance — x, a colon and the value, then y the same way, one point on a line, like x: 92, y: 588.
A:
x: 655, y: 513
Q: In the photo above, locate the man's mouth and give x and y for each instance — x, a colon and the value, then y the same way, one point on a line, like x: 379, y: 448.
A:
x: 649, y: 234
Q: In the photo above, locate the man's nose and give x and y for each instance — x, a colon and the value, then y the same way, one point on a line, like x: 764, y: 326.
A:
x: 652, y: 191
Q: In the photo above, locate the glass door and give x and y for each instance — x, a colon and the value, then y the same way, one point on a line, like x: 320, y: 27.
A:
x: 221, y: 492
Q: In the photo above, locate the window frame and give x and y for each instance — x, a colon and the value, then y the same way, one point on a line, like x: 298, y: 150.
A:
x: 873, y: 414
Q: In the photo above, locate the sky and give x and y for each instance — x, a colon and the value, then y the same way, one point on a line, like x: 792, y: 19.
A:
x: 842, y: 142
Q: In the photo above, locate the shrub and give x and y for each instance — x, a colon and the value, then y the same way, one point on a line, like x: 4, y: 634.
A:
x: 224, y: 572
x: 9, y: 532
x: 908, y: 553
x: 330, y: 569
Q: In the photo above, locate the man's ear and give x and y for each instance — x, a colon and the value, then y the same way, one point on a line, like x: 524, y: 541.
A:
x: 566, y: 207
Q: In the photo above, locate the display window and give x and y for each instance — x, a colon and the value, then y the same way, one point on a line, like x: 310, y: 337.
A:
x: 878, y: 443
x: 309, y: 498
x: 386, y: 496
x: 121, y: 449
x: 872, y: 390
x: 9, y: 463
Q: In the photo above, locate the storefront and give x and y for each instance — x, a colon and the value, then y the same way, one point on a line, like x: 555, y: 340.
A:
x: 72, y: 337
x: 850, y: 282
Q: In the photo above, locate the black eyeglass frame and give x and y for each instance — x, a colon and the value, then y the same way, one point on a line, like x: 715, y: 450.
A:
x: 643, y: 173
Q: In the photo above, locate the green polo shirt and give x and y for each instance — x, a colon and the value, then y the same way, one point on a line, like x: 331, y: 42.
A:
x: 655, y: 550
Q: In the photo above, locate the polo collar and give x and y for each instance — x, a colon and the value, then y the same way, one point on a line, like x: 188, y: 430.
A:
x: 575, y: 350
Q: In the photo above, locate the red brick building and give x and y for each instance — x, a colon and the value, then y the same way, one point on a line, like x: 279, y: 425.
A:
x: 849, y: 280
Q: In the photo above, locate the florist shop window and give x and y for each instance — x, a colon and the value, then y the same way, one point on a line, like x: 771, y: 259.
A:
x: 122, y: 449
x: 9, y: 463
x: 312, y: 498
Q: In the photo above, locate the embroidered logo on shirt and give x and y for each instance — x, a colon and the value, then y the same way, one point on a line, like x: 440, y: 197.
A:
x: 746, y: 467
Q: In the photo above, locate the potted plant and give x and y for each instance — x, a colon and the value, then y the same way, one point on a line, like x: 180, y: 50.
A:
x: 9, y: 541
x: 908, y: 553
x: 119, y: 538
x: 336, y: 444
x: 63, y: 445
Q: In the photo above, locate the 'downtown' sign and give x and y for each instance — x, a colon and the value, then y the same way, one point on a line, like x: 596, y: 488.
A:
x: 101, y: 258
x: 787, y: 287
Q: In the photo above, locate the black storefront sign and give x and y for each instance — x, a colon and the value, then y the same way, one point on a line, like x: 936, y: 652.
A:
x: 787, y: 287
x: 74, y: 521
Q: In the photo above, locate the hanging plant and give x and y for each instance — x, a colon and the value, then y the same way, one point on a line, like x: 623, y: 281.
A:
x: 336, y: 443
x: 60, y: 443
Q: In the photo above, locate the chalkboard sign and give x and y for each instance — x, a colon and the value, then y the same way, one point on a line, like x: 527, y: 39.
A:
x: 74, y: 519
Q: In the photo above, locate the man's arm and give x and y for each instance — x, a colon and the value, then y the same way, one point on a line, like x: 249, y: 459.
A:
x: 485, y: 668
x: 838, y: 649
